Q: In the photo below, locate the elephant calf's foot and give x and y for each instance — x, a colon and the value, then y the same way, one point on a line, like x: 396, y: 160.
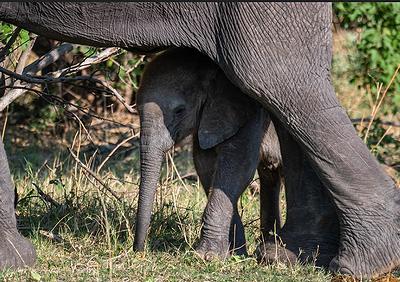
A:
x: 15, y: 251
x: 210, y: 249
x: 370, y: 250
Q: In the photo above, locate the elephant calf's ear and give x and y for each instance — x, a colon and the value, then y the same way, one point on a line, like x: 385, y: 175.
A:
x: 225, y: 111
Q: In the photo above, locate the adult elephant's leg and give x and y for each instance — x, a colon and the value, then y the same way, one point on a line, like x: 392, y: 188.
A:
x: 15, y: 250
x: 205, y: 162
x: 285, y: 64
x: 311, y: 231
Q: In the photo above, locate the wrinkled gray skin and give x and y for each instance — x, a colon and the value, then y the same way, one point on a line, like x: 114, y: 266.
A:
x: 15, y: 250
x: 183, y: 92
x: 278, y: 54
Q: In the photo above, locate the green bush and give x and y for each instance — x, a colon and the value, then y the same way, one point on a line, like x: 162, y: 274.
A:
x: 6, y: 31
x: 377, y: 53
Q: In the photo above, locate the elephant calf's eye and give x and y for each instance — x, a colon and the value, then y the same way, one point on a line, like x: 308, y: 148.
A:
x: 179, y: 111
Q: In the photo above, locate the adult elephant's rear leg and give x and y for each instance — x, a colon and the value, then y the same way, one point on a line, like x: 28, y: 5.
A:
x: 311, y: 230
x: 365, y: 198
x: 15, y: 250
x: 270, y: 174
x: 286, y: 66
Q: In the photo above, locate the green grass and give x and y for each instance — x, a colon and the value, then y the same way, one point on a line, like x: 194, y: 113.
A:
x: 93, y: 231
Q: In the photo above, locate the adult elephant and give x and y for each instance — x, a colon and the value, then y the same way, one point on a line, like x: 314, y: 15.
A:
x: 279, y: 54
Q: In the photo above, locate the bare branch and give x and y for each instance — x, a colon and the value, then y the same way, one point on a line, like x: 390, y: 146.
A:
x: 94, y: 175
x: 21, y: 88
x: 17, y: 91
x: 25, y: 54
x: 49, y: 80
x: 65, y: 104
x: 59, y: 76
x: 95, y: 59
x: 121, y: 99
x: 48, y: 58
x: 12, y: 94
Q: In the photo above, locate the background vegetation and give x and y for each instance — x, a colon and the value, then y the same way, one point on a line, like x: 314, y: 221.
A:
x: 83, y: 232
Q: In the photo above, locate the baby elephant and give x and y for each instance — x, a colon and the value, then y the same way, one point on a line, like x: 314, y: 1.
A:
x: 183, y: 92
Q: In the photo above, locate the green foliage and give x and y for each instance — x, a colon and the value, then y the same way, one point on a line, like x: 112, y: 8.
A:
x: 378, y: 46
x: 6, y: 31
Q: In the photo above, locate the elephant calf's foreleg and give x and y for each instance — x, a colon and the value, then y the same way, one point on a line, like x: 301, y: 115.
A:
x: 235, y: 165
x: 205, y: 164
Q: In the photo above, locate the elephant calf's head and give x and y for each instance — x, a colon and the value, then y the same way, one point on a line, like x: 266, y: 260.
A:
x: 182, y: 92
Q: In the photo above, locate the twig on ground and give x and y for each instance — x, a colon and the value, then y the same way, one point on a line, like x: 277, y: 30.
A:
x: 192, y: 176
x: 46, y: 197
x: 94, y: 175
x: 51, y: 236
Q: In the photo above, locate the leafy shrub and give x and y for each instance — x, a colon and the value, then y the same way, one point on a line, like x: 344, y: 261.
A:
x: 377, y: 53
x: 6, y: 31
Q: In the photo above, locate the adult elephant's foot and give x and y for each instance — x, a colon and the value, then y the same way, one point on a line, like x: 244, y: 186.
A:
x: 15, y: 250
x: 370, y: 245
x: 210, y: 249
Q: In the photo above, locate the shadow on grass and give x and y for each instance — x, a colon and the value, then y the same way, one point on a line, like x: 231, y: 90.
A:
x: 166, y: 233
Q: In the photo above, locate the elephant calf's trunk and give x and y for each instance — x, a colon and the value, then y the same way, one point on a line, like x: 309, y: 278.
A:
x: 151, y: 160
